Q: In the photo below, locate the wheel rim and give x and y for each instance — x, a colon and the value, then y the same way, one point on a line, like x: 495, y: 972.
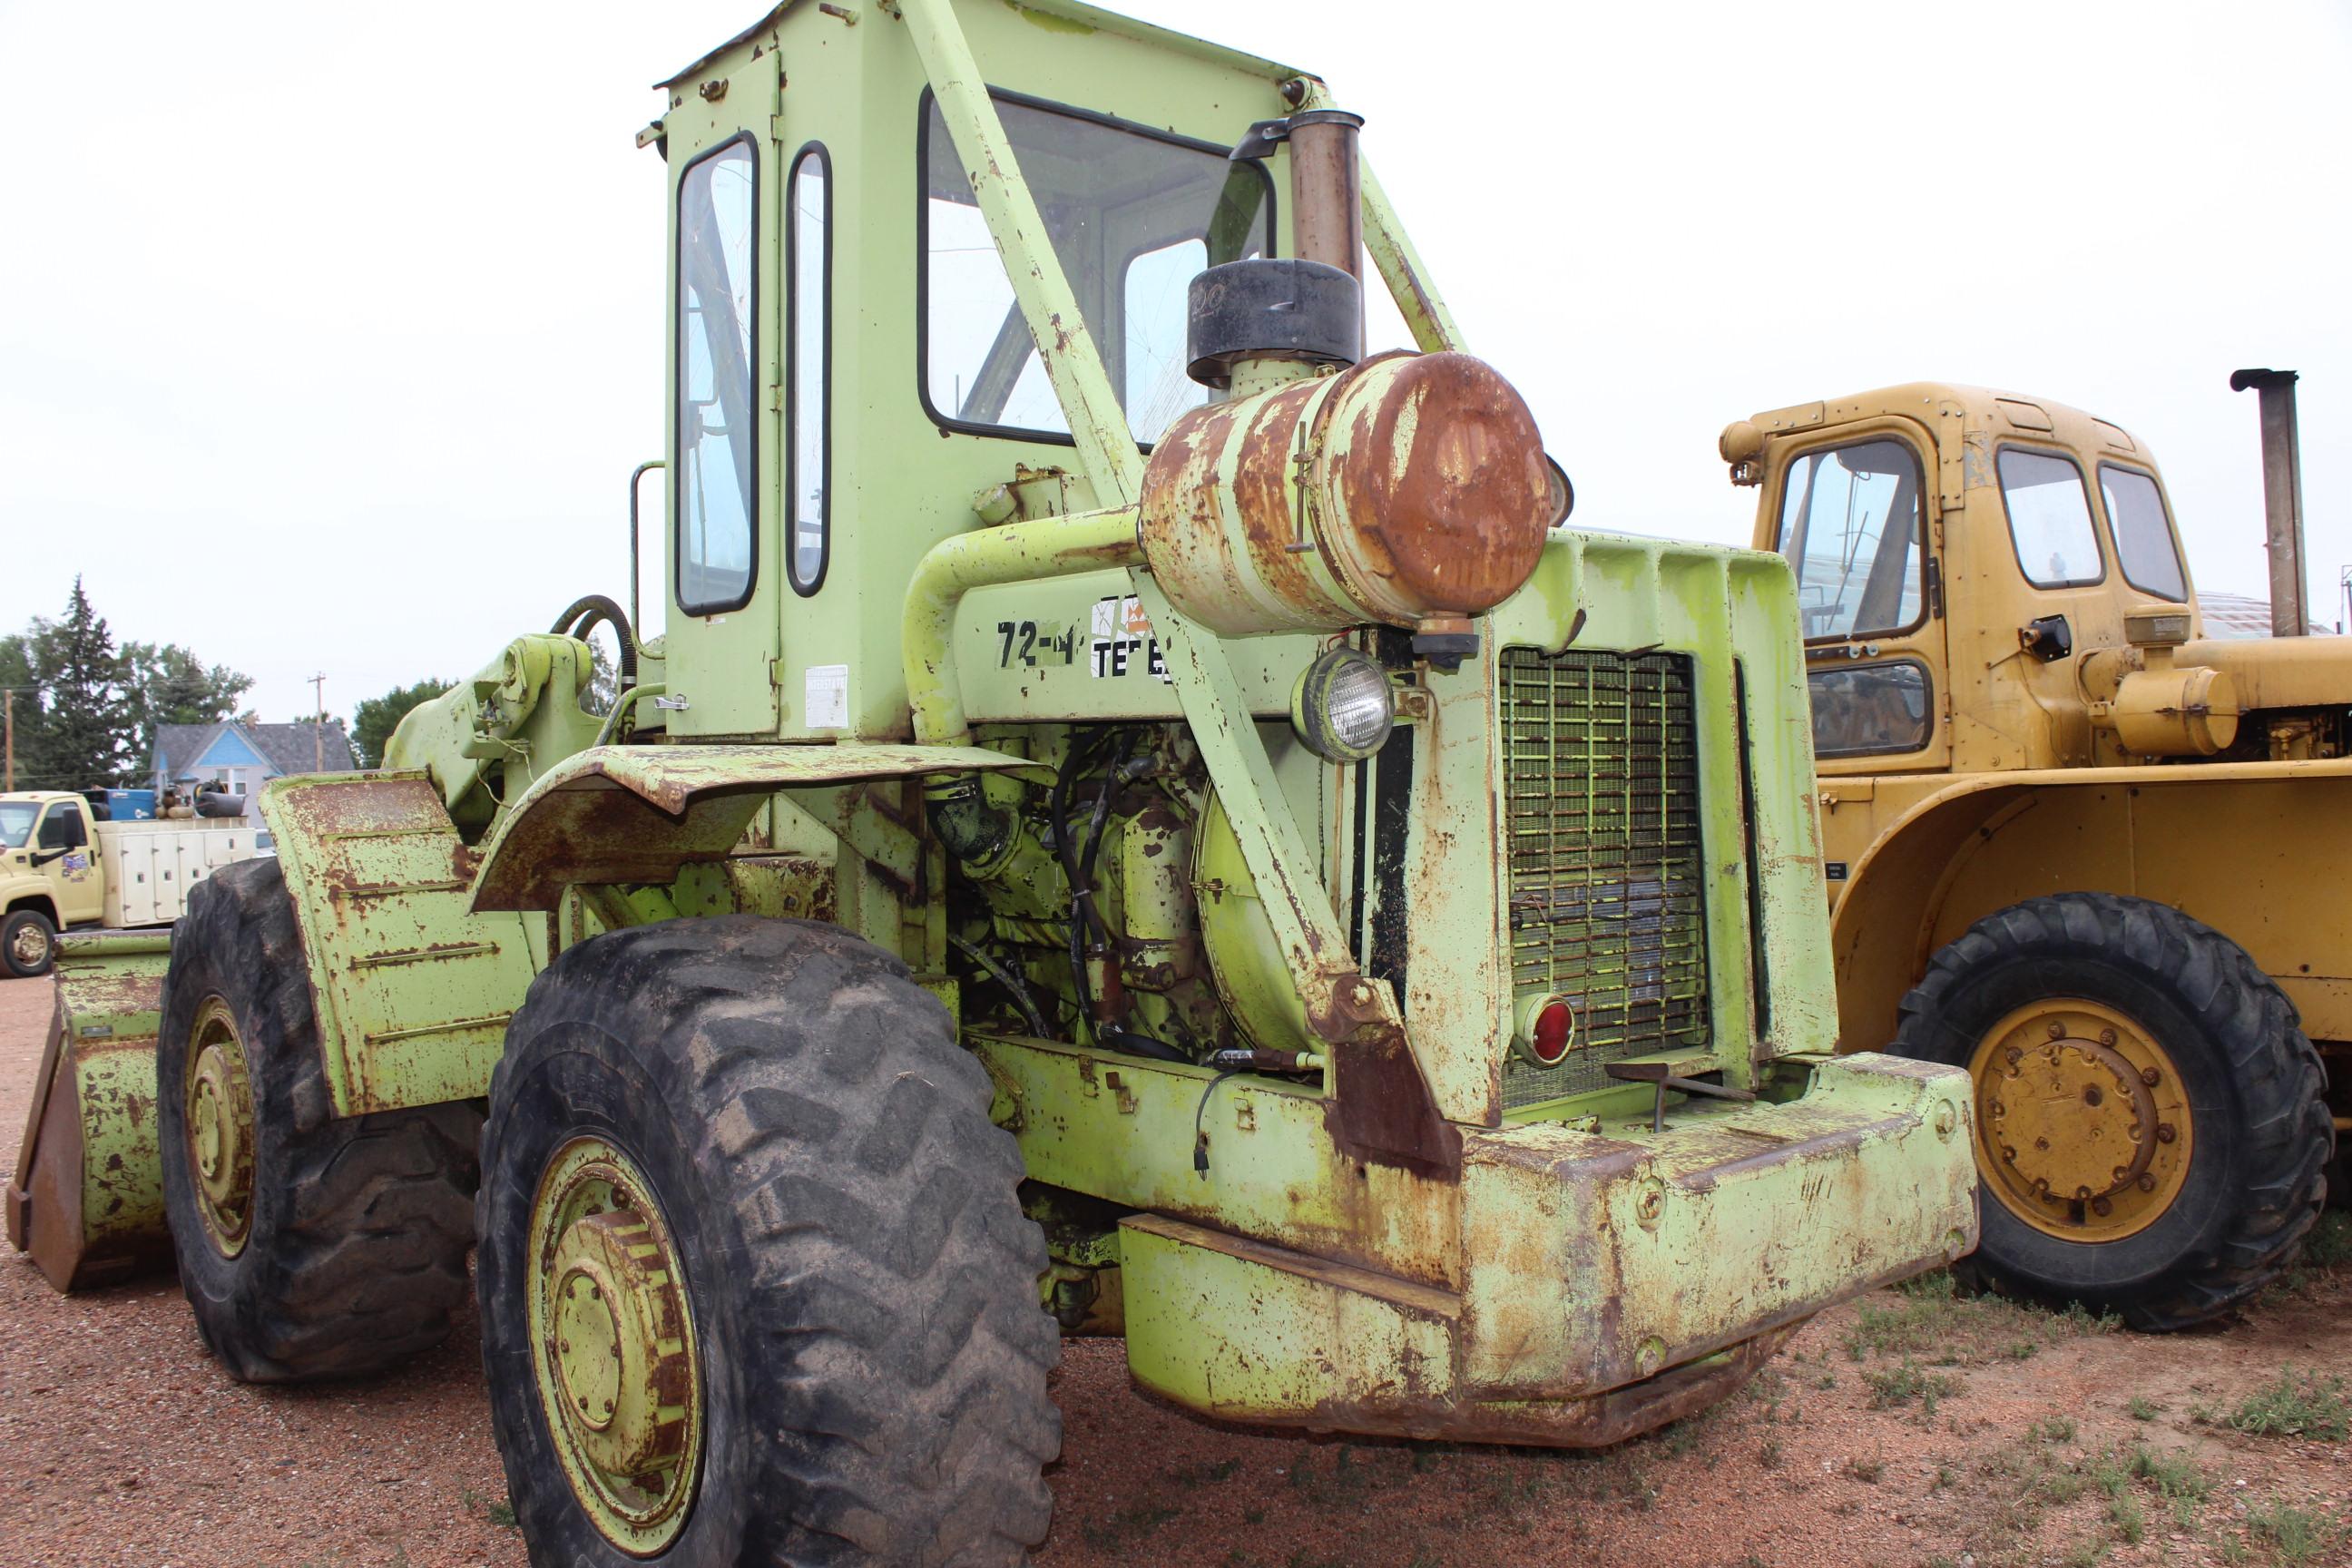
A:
x: 2083, y: 1129
x: 618, y: 1372
x: 30, y: 945
x: 218, y: 1127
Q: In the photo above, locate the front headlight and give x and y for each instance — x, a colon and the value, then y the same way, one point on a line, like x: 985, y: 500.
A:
x: 1343, y: 707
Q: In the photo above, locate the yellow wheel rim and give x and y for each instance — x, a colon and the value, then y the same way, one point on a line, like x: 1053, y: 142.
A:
x: 613, y: 1350
x: 2083, y: 1129
x: 217, y: 1125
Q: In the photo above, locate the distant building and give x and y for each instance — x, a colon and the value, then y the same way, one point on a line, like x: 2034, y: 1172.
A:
x: 243, y: 757
x: 2230, y: 618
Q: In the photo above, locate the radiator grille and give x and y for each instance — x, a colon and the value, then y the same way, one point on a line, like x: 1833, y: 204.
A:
x: 1601, y: 827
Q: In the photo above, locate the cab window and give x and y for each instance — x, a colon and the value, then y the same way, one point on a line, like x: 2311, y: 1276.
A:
x: 17, y: 823
x: 62, y: 829
x: 2049, y: 518
x: 1850, y: 525
x: 2143, y: 534
x: 1870, y: 710
x: 1133, y: 214
x: 807, y: 333
x: 716, y: 441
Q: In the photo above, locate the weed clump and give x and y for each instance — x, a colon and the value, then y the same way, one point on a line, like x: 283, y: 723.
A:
x: 2299, y: 1405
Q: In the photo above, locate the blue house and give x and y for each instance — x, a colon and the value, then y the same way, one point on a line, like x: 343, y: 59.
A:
x: 245, y: 756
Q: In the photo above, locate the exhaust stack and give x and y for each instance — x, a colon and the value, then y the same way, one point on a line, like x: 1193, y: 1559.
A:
x: 2282, y: 497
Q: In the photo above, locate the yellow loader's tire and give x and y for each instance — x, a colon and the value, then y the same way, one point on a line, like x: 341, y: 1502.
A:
x: 309, y: 1246
x: 2151, y: 1138
x: 28, y: 944
x: 755, y: 1282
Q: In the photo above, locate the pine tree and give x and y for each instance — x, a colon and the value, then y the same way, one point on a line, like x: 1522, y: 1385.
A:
x: 31, y: 718
x: 86, y: 722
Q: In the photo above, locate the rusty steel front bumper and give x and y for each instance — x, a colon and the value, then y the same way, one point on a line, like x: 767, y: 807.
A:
x: 1611, y: 1280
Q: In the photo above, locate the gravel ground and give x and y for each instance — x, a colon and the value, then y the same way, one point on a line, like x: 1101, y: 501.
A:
x: 1910, y: 1429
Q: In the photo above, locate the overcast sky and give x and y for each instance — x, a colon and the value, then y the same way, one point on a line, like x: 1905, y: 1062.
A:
x: 328, y: 334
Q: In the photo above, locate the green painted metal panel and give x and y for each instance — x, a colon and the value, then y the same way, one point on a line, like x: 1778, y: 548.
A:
x: 412, y: 988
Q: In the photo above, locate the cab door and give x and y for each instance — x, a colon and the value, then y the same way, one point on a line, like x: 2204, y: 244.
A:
x: 62, y: 852
x: 1852, y: 509
x: 727, y: 568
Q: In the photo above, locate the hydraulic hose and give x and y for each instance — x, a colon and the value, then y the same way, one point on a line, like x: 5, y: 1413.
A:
x: 581, y: 618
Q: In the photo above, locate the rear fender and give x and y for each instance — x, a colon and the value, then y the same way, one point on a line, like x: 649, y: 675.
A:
x: 411, y: 987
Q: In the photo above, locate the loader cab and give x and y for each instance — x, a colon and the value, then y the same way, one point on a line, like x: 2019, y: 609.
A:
x: 849, y: 371
x: 1958, y: 552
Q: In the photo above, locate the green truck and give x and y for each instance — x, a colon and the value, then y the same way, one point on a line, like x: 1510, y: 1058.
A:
x: 1143, y: 820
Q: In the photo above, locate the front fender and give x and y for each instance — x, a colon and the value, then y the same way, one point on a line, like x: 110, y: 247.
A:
x: 1903, y: 886
x: 637, y: 813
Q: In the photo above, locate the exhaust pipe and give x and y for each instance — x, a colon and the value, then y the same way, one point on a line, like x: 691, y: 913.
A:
x: 2282, y: 497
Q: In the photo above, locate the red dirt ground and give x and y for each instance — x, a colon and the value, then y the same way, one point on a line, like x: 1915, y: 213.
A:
x: 1905, y: 1429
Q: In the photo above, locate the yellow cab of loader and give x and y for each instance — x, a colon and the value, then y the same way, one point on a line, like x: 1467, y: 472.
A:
x: 2071, y: 844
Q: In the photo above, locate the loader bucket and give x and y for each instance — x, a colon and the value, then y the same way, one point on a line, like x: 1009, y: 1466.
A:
x: 86, y: 1200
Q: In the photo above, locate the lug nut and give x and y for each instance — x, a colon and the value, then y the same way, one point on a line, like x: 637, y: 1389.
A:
x: 2057, y: 1030
x: 2150, y: 1076
x: 2098, y: 1206
x: 2147, y: 1183
x: 2106, y: 1037
x: 2163, y: 1133
x: 2015, y: 1055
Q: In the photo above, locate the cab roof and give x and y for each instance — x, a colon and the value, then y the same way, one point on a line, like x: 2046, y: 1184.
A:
x: 1982, y: 408
x: 1061, y: 15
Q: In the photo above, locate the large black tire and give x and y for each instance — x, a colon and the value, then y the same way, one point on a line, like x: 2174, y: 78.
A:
x: 862, y: 1280
x: 28, y: 944
x: 354, y: 1253
x: 2262, y: 1137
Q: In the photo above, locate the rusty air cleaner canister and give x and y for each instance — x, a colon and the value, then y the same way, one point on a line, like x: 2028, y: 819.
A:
x: 1410, y: 489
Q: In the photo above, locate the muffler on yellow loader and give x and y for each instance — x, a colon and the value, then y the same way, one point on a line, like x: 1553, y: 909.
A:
x: 1142, y: 821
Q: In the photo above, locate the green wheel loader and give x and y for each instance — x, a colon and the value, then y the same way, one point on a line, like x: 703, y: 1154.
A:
x: 1142, y: 820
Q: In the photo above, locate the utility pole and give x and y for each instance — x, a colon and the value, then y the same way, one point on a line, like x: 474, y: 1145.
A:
x: 319, y: 729
x: 11, y: 743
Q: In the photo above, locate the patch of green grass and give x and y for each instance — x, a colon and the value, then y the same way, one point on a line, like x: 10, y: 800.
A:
x: 1190, y: 1476
x: 1931, y: 1320
x: 500, y: 1514
x: 2329, y: 1244
x: 1907, y: 1383
x: 2129, y: 1519
x: 1867, y: 1470
x: 2299, y: 1405
x: 2296, y: 1536
x: 2177, y: 1480
x: 2084, y: 1321
x: 1769, y: 1455
x: 2142, y: 1409
x: 2052, y: 1430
